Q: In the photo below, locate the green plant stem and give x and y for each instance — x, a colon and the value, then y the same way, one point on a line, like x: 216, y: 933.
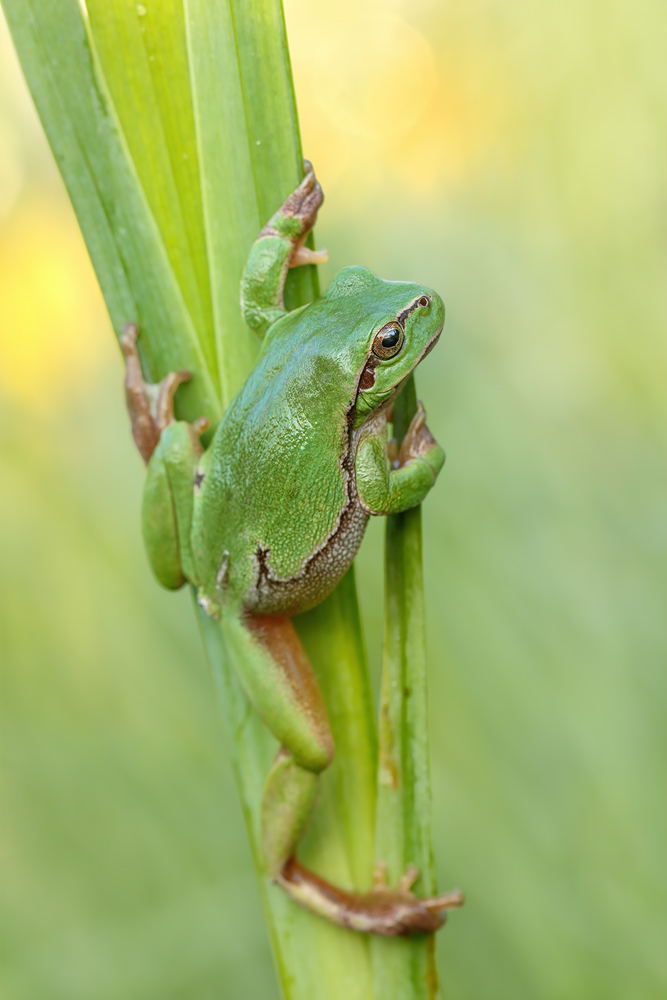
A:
x: 407, y: 970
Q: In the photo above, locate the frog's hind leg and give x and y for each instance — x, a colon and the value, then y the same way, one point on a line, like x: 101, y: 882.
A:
x: 289, y: 700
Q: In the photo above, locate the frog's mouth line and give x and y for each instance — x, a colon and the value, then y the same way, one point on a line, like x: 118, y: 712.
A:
x: 397, y: 389
x: 429, y: 347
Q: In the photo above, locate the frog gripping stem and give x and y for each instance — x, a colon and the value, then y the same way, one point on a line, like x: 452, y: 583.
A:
x: 151, y: 406
x: 280, y: 246
x: 265, y: 524
x: 290, y: 793
x: 302, y: 205
x: 387, y: 912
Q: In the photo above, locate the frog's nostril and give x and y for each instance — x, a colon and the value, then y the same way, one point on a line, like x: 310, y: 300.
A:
x: 424, y: 301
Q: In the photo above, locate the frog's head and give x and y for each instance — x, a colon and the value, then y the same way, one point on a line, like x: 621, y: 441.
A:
x: 395, y: 324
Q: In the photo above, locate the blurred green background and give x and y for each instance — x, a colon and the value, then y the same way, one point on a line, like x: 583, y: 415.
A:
x: 511, y: 155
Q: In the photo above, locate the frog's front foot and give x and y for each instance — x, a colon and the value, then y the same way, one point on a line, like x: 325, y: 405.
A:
x: 304, y: 255
x: 304, y: 202
x: 151, y: 406
x: 418, y: 439
x: 388, y: 912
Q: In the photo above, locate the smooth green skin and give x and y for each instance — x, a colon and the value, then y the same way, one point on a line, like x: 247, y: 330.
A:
x: 296, y: 466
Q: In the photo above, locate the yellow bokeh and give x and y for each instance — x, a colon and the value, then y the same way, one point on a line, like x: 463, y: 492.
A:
x: 50, y: 304
x: 375, y: 99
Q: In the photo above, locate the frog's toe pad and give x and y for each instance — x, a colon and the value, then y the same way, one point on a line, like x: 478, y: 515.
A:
x: 304, y: 255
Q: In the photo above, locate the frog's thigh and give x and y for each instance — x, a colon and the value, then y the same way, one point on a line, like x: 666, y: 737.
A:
x: 389, y: 491
x: 159, y: 528
x: 282, y: 687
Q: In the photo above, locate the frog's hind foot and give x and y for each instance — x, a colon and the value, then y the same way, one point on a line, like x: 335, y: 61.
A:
x: 151, y: 406
x: 388, y: 912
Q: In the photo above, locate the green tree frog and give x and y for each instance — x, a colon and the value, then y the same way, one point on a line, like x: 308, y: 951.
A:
x: 267, y: 520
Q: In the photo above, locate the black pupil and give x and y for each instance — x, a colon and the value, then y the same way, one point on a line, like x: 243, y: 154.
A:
x: 391, y: 339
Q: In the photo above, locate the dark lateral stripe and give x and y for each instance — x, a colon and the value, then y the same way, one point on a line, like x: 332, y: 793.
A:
x: 402, y: 316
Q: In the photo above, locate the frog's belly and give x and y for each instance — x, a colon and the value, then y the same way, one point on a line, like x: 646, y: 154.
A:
x: 271, y: 595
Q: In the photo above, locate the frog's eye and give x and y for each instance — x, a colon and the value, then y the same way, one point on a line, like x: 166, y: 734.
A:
x: 388, y: 341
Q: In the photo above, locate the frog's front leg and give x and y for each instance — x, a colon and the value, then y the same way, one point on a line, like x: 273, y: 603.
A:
x: 279, y: 246
x: 388, y: 483
x: 151, y: 406
x: 280, y: 682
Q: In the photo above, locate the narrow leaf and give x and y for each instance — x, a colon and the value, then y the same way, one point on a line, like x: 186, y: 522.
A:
x: 132, y: 267
x: 157, y: 120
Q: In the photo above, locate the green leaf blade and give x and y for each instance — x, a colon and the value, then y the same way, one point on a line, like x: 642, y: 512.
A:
x: 231, y: 214
x: 123, y: 240
x: 158, y: 124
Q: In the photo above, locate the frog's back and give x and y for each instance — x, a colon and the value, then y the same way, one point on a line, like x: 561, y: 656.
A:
x: 279, y: 522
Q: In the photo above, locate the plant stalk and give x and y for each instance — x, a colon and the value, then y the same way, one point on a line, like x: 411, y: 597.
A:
x: 404, y: 970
